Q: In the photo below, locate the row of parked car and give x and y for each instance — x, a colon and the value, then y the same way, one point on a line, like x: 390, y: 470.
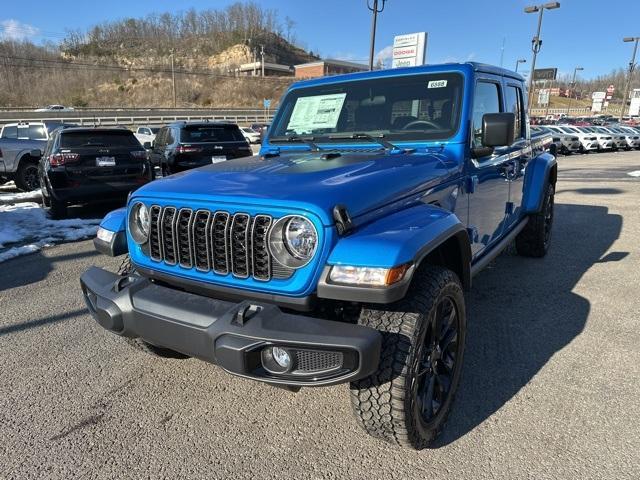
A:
x: 570, y: 139
x: 74, y: 164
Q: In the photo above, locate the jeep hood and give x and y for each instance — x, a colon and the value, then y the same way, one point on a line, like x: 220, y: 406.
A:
x: 361, y: 182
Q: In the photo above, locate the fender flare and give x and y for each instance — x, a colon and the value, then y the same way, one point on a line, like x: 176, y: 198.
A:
x: 407, y: 237
x: 114, y: 222
x: 543, y: 169
x: 21, y: 155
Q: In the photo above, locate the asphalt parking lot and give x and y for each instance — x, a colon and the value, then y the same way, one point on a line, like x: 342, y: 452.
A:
x: 550, y: 388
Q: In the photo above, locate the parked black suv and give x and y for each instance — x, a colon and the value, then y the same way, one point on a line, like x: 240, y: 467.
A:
x: 184, y: 145
x: 80, y: 165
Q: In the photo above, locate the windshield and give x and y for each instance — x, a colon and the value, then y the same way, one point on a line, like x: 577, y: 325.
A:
x: 417, y: 107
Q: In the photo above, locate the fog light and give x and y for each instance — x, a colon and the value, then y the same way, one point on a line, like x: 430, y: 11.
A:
x: 276, y: 360
x: 281, y: 356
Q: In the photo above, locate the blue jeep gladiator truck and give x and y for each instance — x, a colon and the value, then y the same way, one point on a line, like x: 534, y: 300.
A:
x: 340, y: 254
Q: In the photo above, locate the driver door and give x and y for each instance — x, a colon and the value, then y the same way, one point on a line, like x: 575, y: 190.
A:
x: 488, y: 174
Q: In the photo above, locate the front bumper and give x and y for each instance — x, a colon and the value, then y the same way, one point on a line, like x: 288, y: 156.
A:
x: 231, y: 335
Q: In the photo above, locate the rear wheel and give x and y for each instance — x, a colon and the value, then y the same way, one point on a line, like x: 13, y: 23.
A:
x: 535, y: 237
x: 407, y: 400
x: 126, y: 268
x: 57, y: 208
x: 27, y: 176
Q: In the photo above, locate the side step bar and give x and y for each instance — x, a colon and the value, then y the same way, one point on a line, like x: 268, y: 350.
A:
x: 498, y: 248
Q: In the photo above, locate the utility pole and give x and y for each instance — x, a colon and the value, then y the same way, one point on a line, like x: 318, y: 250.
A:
x: 632, y: 66
x: 572, y: 87
x: 502, y: 52
x: 375, y: 9
x: 262, y: 58
x: 173, y: 79
x: 518, y: 62
x: 536, y: 43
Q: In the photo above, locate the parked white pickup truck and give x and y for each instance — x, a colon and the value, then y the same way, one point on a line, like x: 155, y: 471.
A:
x: 146, y: 134
x: 21, y: 145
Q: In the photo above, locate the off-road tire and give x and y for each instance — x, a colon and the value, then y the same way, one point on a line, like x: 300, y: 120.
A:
x: 57, y: 209
x: 535, y: 237
x: 126, y: 268
x: 27, y: 176
x: 385, y: 404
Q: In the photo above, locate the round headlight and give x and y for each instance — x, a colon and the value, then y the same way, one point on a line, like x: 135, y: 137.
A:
x: 139, y: 222
x: 293, y: 241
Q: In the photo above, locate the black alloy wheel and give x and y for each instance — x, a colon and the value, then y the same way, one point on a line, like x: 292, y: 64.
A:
x: 438, y: 361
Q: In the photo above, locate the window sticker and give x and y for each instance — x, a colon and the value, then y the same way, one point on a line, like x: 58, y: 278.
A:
x: 437, y: 84
x: 319, y: 111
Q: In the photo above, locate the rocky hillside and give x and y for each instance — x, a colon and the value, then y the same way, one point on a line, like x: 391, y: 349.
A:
x: 128, y: 62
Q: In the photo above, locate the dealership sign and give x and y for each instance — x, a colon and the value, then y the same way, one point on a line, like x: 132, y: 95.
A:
x: 545, y: 74
x: 598, y: 100
x: 409, y: 49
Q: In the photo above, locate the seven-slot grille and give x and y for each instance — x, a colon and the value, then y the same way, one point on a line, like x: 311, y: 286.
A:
x: 217, y: 242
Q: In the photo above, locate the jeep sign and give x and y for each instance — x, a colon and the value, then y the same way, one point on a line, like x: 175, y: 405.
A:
x: 409, y: 50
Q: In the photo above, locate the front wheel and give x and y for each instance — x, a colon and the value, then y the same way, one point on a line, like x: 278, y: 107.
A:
x: 407, y: 400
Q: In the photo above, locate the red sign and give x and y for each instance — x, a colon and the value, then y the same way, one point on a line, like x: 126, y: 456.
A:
x: 610, y: 89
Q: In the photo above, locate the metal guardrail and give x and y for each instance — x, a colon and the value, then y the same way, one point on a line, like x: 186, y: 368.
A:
x: 140, y: 117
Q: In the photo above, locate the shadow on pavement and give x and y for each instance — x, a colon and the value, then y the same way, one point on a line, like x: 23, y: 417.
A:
x: 523, y: 310
x: 593, y: 191
x: 20, y: 327
x: 33, y: 268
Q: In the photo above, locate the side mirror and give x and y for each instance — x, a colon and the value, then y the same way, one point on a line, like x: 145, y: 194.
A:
x: 147, y: 145
x: 498, y: 129
x: 36, y: 152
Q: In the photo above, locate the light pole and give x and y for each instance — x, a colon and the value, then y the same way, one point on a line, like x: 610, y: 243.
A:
x: 375, y: 9
x: 632, y: 65
x: 173, y: 79
x: 536, y: 43
x: 572, y: 86
x: 518, y: 62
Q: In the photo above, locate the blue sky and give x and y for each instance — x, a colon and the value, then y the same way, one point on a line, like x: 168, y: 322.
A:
x: 582, y: 32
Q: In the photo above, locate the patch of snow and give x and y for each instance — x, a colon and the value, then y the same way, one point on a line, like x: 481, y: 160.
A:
x: 14, y: 252
x: 635, y: 173
x: 6, y: 198
x: 27, y: 224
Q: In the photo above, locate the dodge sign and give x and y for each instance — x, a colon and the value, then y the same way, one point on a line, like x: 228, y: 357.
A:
x: 409, y: 49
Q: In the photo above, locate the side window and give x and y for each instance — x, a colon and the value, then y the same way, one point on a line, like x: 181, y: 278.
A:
x: 486, y: 100
x: 10, y: 132
x: 513, y: 96
x: 160, y: 137
x: 170, y: 138
x: 49, y: 147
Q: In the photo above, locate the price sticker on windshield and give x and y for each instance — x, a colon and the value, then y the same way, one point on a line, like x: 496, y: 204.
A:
x: 437, y: 84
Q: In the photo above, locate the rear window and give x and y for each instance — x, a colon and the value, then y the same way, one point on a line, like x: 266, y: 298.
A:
x: 37, y: 132
x: 210, y: 133
x: 98, y: 139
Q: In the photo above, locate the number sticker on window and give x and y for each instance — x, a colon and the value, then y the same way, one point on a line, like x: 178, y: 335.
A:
x: 437, y: 84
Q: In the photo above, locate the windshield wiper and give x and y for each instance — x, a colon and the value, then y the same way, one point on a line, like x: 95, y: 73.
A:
x: 297, y: 139
x: 365, y: 136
